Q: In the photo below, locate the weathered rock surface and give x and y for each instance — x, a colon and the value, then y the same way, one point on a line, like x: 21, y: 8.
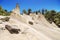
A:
x: 40, y: 30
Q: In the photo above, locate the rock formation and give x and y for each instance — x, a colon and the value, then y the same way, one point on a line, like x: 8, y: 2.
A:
x: 33, y: 27
x: 16, y: 10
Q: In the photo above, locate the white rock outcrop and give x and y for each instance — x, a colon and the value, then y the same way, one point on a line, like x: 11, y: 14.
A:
x: 40, y: 30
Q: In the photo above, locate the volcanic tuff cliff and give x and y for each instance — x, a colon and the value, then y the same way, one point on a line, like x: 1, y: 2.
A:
x: 33, y: 27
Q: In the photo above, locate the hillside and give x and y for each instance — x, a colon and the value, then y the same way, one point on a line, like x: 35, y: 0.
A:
x: 40, y: 30
x: 27, y: 27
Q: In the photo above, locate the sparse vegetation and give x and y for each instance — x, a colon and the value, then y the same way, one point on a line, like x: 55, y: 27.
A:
x: 43, y: 11
x: 4, y: 12
x: 24, y: 11
x: 29, y: 11
x: 53, y: 16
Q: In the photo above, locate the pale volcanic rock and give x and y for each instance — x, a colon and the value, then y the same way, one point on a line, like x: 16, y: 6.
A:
x: 40, y: 30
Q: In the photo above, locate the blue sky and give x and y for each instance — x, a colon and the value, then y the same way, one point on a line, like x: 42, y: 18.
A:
x: 33, y: 4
